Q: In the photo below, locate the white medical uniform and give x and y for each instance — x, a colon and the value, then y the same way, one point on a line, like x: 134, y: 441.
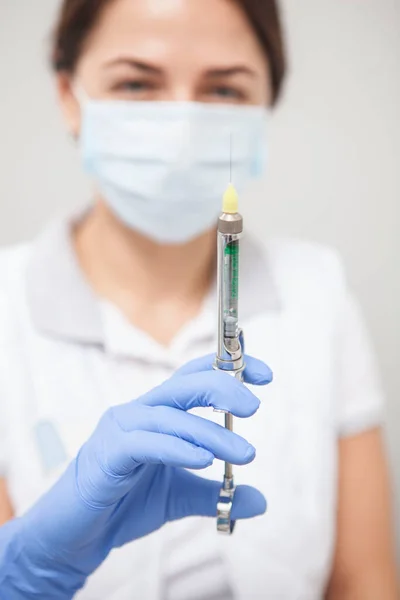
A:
x: 66, y: 356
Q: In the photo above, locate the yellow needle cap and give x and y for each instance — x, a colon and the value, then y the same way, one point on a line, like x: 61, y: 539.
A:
x: 231, y: 201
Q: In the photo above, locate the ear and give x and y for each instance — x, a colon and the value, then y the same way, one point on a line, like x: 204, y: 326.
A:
x: 69, y: 104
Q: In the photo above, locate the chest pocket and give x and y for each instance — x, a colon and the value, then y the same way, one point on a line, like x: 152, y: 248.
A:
x: 51, y: 449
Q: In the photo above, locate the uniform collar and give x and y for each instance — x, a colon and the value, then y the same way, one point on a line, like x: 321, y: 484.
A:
x: 63, y: 305
x: 60, y: 300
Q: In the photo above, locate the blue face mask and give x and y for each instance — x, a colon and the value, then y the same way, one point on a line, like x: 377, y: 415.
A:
x: 163, y: 167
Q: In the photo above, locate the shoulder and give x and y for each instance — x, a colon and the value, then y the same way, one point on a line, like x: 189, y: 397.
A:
x: 306, y: 272
x: 13, y: 261
x: 311, y: 261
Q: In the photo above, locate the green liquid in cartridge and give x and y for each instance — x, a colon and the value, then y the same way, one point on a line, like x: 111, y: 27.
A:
x: 231, y: 280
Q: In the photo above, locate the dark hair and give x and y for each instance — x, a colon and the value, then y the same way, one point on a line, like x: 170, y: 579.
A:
x: 78, y: 17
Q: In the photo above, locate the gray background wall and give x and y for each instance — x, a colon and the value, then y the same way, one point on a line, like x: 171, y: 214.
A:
x: 335, y: 164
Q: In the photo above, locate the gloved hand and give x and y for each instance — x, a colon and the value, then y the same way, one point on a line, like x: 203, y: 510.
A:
x: 129, y: 479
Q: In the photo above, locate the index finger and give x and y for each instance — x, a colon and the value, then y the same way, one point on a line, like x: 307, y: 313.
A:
x: 255, y: 373
x: 205, y: 389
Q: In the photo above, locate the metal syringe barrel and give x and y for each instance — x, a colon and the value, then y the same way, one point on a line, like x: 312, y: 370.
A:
x: 230, y: 357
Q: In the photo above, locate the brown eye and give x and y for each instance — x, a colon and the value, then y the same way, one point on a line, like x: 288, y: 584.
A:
x: 227, y: 93
x: 135, y: 86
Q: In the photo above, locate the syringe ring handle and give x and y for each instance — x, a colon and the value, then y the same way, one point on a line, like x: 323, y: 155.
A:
x: 241, y: 340
x: 225, y: 524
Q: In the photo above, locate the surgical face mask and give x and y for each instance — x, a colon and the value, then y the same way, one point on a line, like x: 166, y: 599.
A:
x: 162, y: 167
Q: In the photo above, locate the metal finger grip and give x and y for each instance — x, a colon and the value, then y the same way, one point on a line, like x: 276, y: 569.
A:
x: 225, y: 524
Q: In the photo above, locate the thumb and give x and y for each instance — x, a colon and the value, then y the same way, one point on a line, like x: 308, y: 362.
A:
x: 191, y: 495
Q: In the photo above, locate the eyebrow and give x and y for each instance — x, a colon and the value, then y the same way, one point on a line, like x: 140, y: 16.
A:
x: 213, y: 73
x: 137, y: 64
x: 230, y: 71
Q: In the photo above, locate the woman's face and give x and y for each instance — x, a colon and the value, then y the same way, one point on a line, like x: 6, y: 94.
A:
x: 170, y: 50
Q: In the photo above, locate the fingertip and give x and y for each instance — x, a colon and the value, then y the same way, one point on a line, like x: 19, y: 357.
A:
x: 250, y: 454
x: 202, y: 458
x: 248, y: 502
x: 228, y: 394
x: 244, y: 457
x: 252, y: 404
x: 257, y: 372
x: 264, y: 378
x: 237, y: 399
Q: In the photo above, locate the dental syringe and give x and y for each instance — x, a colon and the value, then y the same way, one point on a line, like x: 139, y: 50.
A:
x: 230, y: 354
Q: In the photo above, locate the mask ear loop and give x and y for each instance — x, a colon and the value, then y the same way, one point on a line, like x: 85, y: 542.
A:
x: 82, y: 98
x: 230, y: 156
x: 260, y: 156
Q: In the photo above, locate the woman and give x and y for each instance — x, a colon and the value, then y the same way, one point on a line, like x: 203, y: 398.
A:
x: 121, y: 296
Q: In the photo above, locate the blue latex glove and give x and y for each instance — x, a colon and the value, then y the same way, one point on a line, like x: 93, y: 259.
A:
x: 129, y: 479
